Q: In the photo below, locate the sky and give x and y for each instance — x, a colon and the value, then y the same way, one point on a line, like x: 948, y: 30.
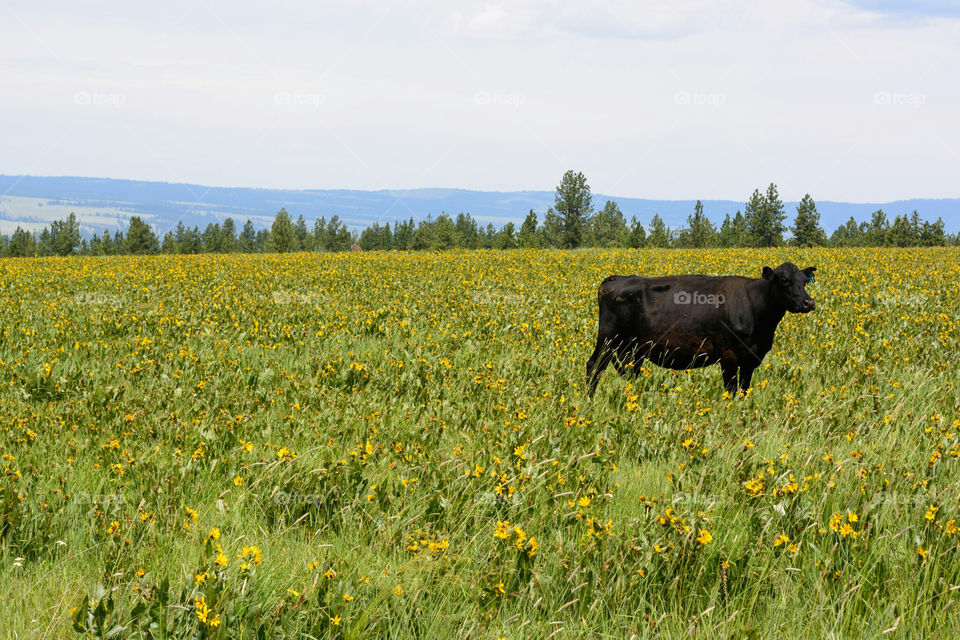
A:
x: 855, y: 101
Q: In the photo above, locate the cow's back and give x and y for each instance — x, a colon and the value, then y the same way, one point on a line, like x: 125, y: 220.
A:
x: 688, y: 316
x: 683, y: 298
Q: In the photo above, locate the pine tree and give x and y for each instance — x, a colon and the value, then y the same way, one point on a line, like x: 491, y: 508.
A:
x: 724, y: 235
x: 659, y: 233
x: 552, y: 230
x: 876, y: 231
x: 931, y: 235
x: 848, y: 234
x: 638, y: 235
x: 403, y: 235
x: 506, y: 238
x: 318, y: 240
x: 169, y: 245
x: 444, y: 232
x: 212, y: 238
x: 248, y: 238
x: 64, y: 237
x: 423, y: 237
x: 301, y: 235
x: 528, y: 238
x: 467, y: 231
x: 140, y: 238
x: 262, y: 241
x: 338, y: 237
x: 96, y: 247
x: 45, y: 242
x: 741, y: 232
x: 228, y: 236
x: 572, y: 202
x: 282, y: 239
x: 608, y: 228
x: 489, y: 240
x: 387, y: 238
x: 22, y: 244
x: 765, y: 215
x: 903, y: 232
x: 188, y: 240
x: 371, y: 237
x: 106, y: 241
x: 806, y: 226
x: 700, y: 232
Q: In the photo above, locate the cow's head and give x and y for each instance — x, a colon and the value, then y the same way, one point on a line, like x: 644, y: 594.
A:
x: 788, y: 285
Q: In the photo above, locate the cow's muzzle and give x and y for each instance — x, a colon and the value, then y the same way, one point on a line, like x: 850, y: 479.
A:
x: 808, y: 306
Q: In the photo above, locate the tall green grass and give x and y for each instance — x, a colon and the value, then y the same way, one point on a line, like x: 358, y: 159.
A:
x: 369, y: 422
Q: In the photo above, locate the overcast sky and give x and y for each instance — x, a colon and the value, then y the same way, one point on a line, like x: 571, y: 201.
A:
x: 856, y: 101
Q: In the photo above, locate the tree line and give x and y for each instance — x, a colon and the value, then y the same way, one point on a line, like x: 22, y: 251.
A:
x: 570, y: 223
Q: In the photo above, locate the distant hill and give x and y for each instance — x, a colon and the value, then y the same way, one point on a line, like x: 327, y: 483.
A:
x: 33, y: 201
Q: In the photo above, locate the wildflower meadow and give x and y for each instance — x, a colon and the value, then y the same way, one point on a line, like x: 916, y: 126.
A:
x: 392, y: 444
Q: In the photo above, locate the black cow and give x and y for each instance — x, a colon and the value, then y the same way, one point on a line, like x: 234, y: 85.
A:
x: 686, y: 322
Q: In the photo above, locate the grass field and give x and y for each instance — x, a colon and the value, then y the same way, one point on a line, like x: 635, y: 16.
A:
x: 399, y: 445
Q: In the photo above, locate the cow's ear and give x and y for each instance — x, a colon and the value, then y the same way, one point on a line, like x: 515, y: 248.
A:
x: 767, y: 273
x: 809, y: 273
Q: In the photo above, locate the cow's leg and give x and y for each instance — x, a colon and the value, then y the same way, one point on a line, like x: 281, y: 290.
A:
x: 729, y: 369
x: 637, y: 363
x: 601, y: 357
x: 746, y: 373
x: 624, y: 362
x: 620, y: 365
